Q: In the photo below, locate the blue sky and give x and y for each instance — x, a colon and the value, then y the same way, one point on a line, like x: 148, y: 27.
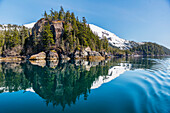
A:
x: 138, y: 20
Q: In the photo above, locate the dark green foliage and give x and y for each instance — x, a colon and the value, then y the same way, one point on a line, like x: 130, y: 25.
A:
x: 12, y: 36
x: 76, y: 34
x: 45, y: 15
x: 148, y: 48
x: 61, y: 14
x: 62, y: 85
x: 47, y: 36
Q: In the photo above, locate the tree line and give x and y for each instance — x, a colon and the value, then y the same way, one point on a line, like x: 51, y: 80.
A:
x: 77, y: 34
x: 148, y: 48
x: 12, y: 36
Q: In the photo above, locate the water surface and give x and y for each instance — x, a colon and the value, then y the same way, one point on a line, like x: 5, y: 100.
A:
x: 124, y: 85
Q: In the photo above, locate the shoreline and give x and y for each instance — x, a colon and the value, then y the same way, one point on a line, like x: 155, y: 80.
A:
x: 90, y: 58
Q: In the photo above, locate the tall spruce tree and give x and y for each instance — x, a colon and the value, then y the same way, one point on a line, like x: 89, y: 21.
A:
x: 61, y: 14
x: 47, y: 36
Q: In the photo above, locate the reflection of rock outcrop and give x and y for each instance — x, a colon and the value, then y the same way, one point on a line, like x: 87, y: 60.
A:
x: 41, y: 63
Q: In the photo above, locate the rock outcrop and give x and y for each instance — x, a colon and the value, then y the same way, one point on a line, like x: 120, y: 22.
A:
x: 34, y: 43
x: 56, y: 27
x: 94, y: 53
x: 88, y: 54
x: 52, y: 55
x: 39, y: 56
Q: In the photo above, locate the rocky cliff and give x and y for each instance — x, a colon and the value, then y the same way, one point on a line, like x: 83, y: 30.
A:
x: 55, y: 26
x: 34, y: 43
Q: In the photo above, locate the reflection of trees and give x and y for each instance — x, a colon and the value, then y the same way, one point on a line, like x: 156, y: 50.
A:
x: 64, y: 84
x: 140, y: 62
x: 12, y: 78
x: 59, y: 83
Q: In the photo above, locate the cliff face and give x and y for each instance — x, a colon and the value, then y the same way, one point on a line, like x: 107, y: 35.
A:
x: 56, y: 27
x: 34, y: 42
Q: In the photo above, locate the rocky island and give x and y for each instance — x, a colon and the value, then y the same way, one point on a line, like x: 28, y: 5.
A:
x: 61, y: 35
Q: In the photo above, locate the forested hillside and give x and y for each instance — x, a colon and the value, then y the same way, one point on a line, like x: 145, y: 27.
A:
x: 12, y: 39
x: 149, y: 48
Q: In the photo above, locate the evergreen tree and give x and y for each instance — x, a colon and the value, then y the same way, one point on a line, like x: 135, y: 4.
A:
x: 45, y: 15
x: 84, y: 20
x: 47, y: 36
x: 67, y: 17
x: 74, y: 25
x: 55, y: 15
x: 61, y: 14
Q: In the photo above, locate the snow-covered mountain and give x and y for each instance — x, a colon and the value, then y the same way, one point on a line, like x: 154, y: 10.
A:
x: 12, y: 26
x: 114, y: 40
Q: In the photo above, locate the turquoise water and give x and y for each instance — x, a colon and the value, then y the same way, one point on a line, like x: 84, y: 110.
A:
x: 124, y: 85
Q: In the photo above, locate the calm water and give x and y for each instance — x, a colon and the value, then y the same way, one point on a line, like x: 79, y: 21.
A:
x: 126, y: 85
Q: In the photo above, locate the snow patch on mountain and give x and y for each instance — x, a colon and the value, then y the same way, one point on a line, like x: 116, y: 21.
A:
x: 31, y: 25
x: 113, y: 40
x: 12, y: 26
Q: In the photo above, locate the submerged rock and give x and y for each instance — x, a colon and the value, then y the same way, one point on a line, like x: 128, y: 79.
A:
x: 39, y: 56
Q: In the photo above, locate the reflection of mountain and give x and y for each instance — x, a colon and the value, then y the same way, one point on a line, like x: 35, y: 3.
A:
x: 63, y: 83
x: 113, y: 73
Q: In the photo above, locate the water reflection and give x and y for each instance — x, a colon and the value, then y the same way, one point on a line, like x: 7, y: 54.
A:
x: 62, y: 83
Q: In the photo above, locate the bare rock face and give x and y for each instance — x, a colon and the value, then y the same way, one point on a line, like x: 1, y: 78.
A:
x: 52, y: 55
x: 37, y: 29
x: 57, y: 28
x: 39, y: 56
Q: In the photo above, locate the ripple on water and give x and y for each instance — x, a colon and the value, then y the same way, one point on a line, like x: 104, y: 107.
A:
x: 155, y: 82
